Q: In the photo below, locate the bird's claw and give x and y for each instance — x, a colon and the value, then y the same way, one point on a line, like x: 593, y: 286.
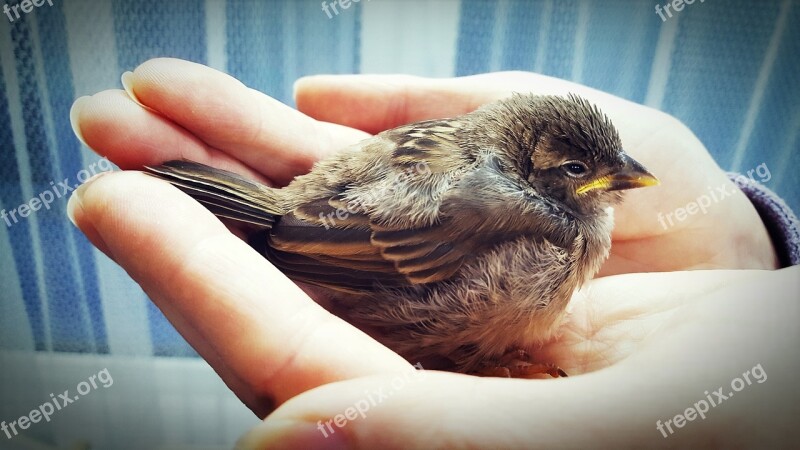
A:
x: 516, y: 363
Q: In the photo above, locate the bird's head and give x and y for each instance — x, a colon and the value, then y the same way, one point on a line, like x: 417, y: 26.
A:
x: 569, y: 152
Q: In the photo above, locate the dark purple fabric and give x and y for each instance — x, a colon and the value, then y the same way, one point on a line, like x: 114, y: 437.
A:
x: 779, y: 219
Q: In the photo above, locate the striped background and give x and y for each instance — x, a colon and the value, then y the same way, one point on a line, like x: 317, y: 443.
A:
x: 729, y: 69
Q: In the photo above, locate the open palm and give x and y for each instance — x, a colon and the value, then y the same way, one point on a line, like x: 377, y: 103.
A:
x: 265, y: 337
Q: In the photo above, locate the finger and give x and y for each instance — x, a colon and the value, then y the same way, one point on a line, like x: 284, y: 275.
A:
x: 374, y: 103
x: 452, y: 411
x: 113, y: 125
x: 258, y: 330
x: 378, y: 102
x: 263, y: 133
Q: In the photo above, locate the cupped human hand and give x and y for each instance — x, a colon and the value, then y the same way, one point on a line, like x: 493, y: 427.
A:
x: 693, y: 359
x: 639, y: 347
x: 265, y: 337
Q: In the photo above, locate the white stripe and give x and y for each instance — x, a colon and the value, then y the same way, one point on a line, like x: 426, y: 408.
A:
x: 411, y: 37
x: 498, y: 35
x: 216, y: 39
x: 544, y: 30
x: 580, y: 42
x: 760, y: 87
x: 26, y: 185
x: 662, y: 62
x: 93, y: 61
x: 348, y: 34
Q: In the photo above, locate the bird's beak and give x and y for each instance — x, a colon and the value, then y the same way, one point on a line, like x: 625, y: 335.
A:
x: 632, y: 175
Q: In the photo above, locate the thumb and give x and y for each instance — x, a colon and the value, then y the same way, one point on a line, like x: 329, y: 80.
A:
x: 435, y: 410
x: 374, y: 103
x: 414, y: 409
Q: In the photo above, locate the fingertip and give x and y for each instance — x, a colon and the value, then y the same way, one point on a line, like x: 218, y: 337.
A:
x: 83, y: 220
x: 365, y: 102
x: 312, y: 93
x: 128, y: 80
x: 113, y: 125
x: 75, y: 117
x: 301, y: 86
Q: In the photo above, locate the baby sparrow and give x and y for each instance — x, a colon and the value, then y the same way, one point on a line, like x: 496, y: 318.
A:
x: 457, y: 240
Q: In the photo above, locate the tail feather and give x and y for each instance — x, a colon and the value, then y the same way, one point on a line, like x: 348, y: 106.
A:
x: 224, y: 193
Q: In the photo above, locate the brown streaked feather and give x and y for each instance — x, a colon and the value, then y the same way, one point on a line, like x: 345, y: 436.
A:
x: 199, y: 176
x: 225, y: 194
x: 417, y: 256
x: 333, y: 233
x: 312, y: 239
x: 433, y: 142
x: 316, y: 250
x: 314, y: 211
x: 425, y: 255
x: 340, y: 275
x: 321, y: 263
x: 438, y: 273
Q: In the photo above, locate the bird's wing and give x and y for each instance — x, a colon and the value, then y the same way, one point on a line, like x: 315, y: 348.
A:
x: 329, y: 243
x: 360, y: 257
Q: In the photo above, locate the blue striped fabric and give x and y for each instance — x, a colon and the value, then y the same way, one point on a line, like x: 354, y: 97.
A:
x: 729, y: 70
x: 67, y: 298
x: 706, y: 55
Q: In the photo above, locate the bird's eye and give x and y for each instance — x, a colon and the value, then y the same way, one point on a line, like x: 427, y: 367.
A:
x: 575, y: 169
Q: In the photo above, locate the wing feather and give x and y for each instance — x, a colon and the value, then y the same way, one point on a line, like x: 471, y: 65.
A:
x: 327, y: 241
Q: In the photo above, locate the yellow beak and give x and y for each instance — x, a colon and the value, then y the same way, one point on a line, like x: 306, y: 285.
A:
x: 632, y: 175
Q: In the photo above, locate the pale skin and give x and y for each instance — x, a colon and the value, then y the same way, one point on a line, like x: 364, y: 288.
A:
x: 639, y: 346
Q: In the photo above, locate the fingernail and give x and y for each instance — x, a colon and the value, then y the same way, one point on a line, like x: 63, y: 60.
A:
x: 76, y: 199
x: 73, y: 117
x: 292, y: 434
x: 127, y: 84
x: 296, y: 83
x: 306, y: 80
x: 75, y: 204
